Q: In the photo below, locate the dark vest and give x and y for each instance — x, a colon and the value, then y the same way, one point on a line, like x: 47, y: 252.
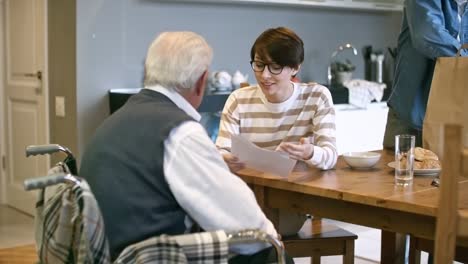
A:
x: 123, y: 164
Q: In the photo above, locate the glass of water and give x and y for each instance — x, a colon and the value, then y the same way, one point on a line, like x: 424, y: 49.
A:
x: 404, y: 159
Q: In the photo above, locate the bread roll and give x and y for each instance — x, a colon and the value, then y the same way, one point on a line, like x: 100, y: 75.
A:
x: 421, y: 154
x: 430, y: 164
x: 423, y: 159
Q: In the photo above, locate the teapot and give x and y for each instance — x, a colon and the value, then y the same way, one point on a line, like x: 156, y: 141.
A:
x: 220, y: 81
x: 238, y: 78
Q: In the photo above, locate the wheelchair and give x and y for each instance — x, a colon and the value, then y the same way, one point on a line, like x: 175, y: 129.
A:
x: 70, y: 229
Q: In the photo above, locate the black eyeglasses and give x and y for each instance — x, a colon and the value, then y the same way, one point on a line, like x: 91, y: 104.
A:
x: 273, y: 68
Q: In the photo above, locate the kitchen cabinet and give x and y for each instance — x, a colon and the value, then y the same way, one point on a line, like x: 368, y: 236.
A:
x: 211, y: 103
x: 377, y: 5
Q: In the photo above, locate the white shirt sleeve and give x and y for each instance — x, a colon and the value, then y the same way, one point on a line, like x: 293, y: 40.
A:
x: 205, y: 188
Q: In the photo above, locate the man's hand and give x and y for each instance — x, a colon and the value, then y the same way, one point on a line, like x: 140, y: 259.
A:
x: 304, y: 150
x: 233, y: 162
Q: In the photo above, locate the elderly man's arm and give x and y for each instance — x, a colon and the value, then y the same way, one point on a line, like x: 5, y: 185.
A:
x: 205, y: 188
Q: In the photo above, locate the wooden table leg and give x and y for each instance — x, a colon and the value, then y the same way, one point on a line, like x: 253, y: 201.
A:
x: 392, y: 248
x: 271, y: 213
x: 348, y: 257
x: 414, y: 252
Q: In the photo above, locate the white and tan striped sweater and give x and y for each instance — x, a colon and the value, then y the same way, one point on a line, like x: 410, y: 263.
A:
x: 309, y: 112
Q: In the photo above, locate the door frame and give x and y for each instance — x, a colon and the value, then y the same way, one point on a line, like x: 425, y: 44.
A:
x: 45, y: 90
x: 2, y: 107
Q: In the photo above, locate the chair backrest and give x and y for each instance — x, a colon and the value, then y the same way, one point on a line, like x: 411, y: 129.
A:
x: 451, y: 221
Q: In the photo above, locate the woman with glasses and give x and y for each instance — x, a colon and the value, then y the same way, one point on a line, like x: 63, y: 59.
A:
x: 278, y: 114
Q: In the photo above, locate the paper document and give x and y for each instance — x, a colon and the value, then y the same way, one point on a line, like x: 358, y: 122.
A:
x: 261, y: 159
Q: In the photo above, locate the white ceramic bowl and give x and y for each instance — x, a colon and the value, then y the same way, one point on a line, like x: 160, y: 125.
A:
x: 361, y: 160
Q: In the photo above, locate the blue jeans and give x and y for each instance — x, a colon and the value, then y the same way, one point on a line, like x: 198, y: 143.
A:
x: 397, y: 127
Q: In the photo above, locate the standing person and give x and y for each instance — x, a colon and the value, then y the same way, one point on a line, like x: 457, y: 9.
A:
x: 152, y: 166
x: 430, y: 29
x: 278, y: 114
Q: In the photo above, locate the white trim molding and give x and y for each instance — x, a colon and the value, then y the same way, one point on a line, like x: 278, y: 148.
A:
x: 370, y: 5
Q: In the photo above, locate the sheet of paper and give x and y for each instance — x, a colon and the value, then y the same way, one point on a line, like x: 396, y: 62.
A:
x: 261, y: 159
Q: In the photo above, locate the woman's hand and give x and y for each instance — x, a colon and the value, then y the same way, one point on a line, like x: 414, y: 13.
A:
x: 233, y: 162
x: 304, y: 150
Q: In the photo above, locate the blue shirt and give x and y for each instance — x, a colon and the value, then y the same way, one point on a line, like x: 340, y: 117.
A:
x: 429, y: 30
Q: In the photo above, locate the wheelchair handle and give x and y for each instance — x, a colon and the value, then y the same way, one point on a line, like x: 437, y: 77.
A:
x: 34, y: 150
x: 43, y: 182
x: 254, y: 235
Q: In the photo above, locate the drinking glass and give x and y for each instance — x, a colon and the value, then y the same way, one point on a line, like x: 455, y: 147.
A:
x: 404, y: 159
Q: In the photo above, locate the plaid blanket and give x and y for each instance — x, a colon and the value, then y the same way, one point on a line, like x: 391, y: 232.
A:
x: 70, y: 229
x: 69, y: 226
x: 206, y: 247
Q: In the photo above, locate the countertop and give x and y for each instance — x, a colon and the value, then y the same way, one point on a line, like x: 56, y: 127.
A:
x: 215, y: 102
x: 340, y: 94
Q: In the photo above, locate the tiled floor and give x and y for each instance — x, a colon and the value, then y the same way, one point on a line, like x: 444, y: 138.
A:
x: 17, y: 229
x: 367, y: 247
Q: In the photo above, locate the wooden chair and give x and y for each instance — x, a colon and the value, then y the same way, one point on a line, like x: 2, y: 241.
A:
x: 427, y: 245
x: 317, y: 238
x: 450, y: 221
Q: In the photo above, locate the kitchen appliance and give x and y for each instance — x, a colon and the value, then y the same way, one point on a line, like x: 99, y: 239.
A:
x: 377, y: 60
x: 373, y: 64
x: 379, y: 66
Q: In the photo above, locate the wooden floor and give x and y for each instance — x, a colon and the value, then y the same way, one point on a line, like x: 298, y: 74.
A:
x: 19, y: 255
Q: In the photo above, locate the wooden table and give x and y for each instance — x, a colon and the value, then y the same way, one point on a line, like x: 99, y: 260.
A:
x: 363, y: 197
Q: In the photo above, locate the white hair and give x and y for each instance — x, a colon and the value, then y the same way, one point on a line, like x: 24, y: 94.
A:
x: 176, y: 60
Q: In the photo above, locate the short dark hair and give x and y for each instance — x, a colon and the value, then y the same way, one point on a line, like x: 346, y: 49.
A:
x: 281, y: 45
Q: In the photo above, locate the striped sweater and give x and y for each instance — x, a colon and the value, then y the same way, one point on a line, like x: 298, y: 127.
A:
x: 308, y: 112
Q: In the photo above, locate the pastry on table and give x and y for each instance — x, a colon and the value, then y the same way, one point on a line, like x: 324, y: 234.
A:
x: 424, y: 154
x: 425, y: 159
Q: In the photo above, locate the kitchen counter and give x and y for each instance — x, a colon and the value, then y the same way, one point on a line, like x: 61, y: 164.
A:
x: 211, y: 103
x: 340, y: 94
x: 215, y: 102
x: 357, y: 129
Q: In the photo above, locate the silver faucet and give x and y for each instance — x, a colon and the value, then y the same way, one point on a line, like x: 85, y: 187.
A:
x: 336, y: 52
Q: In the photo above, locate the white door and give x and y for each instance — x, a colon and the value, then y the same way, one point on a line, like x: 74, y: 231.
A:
x: 25, y: 112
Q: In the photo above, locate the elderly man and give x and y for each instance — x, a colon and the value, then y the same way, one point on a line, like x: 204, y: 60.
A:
x: 152, y: 166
